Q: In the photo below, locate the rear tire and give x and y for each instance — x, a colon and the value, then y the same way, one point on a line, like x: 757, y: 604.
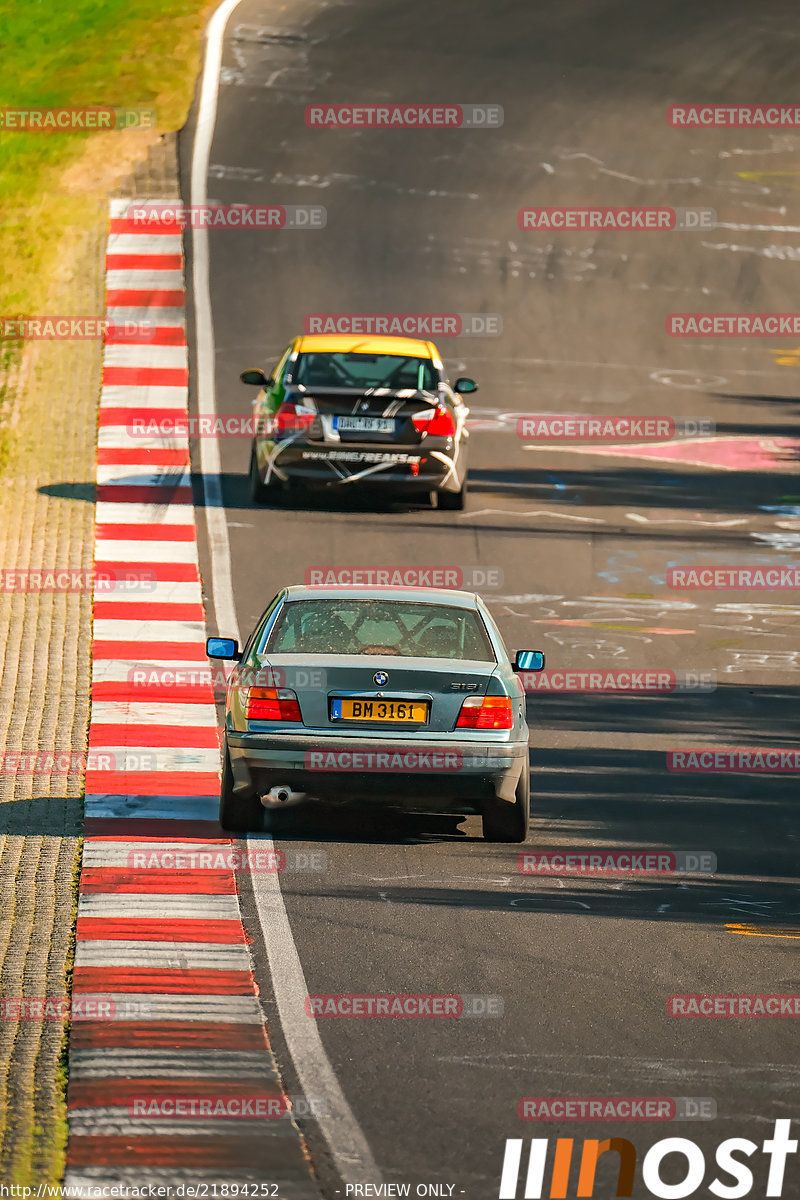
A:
x: 504, y: 822
x: 454, y: 501
x: 261, y: 493
x: 239, y: 812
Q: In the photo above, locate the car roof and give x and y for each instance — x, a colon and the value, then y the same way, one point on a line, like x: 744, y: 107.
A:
x: 424, y: 595
x: 338, y: 344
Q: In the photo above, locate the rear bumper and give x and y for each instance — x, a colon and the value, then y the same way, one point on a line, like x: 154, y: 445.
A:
x: 435, y: 773
x: 432, y: 466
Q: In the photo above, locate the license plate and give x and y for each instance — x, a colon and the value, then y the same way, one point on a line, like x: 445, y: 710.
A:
x: 405, y: 711
x: 364, y: 424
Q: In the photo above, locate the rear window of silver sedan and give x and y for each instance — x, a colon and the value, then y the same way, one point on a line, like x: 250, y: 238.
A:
x: 401, y: 628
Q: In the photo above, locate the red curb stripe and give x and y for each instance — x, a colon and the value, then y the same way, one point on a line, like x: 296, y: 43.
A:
x: 153, y: 335
x: 155, y: 693
x: 109, y: 980
x: 128, y: 225
x: 151, y: 651
x: 125, y: 415
x: 108, y: 1093
x: 109, y: 929
x: 113, y: 880
x: 154, y: 376
x: 169, y: 1035
x: 135, y: 610
x: 123, y: 493
x: 145, y: 298
x: 165, y: 571
x: 144, y: 262
x: 162, y: 829
x: 215, y: 838
x: 156, y: 456
x: 152, y: 783
x: 123, y: 531
x: 196, y: 1153
x: 180, y: 737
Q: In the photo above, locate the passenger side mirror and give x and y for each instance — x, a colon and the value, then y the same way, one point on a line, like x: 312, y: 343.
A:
x: 465, y: 386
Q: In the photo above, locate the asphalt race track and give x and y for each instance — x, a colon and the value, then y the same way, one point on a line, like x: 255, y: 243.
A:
x: 426, y: 221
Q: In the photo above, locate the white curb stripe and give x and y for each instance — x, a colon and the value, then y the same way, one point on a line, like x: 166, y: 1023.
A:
x: 143, y: 395
x: 130, y: 354
x: 118, y: 712
x: 182, y: 956
x: 140, y: 314
x: 158, y: 906
x: 138, y: 277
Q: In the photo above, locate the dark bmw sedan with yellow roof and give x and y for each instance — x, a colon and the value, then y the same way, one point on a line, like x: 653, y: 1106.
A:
x: 399, y: 697
x: 349, y: 413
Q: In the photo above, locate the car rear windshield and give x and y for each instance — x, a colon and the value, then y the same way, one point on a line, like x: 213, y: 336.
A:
x: 364, y: 371
x: 377, y: 627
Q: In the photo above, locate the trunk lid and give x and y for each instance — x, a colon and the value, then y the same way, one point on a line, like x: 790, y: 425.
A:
x: 319, y: 679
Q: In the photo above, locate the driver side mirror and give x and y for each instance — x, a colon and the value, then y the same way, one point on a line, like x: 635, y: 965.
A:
x: 528, y: 660
x: 256, y: 377
x: 465, y: 385
x: 225, y: 648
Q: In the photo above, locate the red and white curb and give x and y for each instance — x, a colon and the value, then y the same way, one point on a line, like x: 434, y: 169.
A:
x: 162, y: 962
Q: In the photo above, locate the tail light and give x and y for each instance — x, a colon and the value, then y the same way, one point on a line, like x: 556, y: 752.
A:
x: 272, y: 704
x: 290, y: 418
x: 486, y: 712
x: 436, y: 421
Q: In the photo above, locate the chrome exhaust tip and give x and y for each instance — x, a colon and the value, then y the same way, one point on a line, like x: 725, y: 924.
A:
x: 281, y: 795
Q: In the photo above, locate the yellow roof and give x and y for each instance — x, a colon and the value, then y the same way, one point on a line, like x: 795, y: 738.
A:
x: 348, y: 344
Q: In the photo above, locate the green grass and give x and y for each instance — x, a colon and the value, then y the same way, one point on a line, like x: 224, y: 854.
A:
x: 120, y: 53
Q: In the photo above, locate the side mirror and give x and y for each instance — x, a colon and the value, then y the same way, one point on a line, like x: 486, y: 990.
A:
x: 227, y: 648
x: 465, y: 386
x: 255, y: 376
x: 528, y: 660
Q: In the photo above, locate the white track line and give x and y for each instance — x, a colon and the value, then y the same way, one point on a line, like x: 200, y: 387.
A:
x: 348, y: 1146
